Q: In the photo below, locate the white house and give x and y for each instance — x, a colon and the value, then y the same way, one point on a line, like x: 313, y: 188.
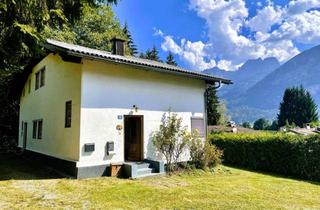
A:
x: 85, y: 109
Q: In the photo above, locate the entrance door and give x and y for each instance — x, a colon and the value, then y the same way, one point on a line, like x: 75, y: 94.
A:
x: 133, y: 138
x: 25, y: 135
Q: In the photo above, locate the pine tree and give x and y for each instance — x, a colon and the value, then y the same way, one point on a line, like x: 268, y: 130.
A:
x: 212, y: 106
x: 130, y: 44
x: 170, y: 60
x: 142, y: 55
x: 153, y: 54
x: 297, y: 107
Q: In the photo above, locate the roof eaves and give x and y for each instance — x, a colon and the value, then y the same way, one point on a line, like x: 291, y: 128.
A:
x: 135, y: 62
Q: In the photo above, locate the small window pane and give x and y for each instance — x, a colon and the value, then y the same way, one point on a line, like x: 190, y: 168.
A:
x: 68, y: 115
x: 198, y: 123
x: 40, y: 129
x: 34, y: 130
x: 29, y: 86
x: 37, y: 80
x: 43, y: 76
x: 22, y: 128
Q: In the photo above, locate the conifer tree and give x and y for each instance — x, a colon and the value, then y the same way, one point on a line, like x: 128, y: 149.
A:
x: 130, y: 44
x: 153, y: 54
x: 170, y: 60
x: 212, y: 106
x: 297, y: 107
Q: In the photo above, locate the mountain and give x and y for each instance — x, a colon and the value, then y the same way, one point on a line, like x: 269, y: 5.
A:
x: 245, y: 77
x: 303, y: 69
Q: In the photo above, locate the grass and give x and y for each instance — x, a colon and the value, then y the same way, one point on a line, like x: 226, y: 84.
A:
x: 26, y: 185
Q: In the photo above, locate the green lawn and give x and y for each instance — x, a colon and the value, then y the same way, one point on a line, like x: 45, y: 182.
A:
x: 28, y: 186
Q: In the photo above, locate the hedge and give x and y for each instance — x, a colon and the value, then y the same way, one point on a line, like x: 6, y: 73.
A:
x: 285, y: 154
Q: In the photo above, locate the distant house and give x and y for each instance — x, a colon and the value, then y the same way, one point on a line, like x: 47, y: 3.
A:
x: 88, y: 109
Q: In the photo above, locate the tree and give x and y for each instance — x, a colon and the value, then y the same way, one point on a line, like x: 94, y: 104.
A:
x: 130, y: 44
x: 170, y: 60
x: 153, y: 54
x: 246, y: 125
x: 172, y: 139
x: 212, y: 106
x: 142, y: 55
x: 23, y: 25
x: 297, y: 107
x: 274, y: 126
x: 261, y: 124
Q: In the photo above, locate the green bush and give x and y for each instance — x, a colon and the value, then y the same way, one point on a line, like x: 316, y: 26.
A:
x: 204, y: 155
x: 286, y: 154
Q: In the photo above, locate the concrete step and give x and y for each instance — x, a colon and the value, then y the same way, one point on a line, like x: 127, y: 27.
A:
x: 145, y: 171
x: 150, y: 175
x: 143, y: 165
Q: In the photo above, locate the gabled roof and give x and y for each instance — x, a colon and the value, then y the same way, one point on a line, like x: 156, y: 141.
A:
x: 84, y: 52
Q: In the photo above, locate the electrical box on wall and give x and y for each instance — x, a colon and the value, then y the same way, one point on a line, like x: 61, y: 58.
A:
x: 89, y: 147
x: 110, y: 148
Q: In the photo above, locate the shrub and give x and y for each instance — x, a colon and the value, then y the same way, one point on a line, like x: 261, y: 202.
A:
x: 204, y: 155
x: 261, y: 124
x: 171, y: 140
x: 246, y: 125
x: 286, y: 154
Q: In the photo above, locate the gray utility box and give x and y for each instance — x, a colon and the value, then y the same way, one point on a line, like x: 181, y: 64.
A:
x: 110, y: 148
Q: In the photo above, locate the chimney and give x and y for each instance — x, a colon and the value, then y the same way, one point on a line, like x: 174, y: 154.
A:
x: 118, y: 46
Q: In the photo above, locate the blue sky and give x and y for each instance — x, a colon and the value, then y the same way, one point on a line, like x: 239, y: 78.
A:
x: 207, y: 33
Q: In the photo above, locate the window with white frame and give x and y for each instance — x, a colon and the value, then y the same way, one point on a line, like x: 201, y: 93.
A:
x: 197, y: 123
x: 40, y: 78
x: 37, y: 129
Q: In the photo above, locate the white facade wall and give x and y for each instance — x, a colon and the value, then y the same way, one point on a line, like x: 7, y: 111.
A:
x: 110, y: 90
x: 62, y: 83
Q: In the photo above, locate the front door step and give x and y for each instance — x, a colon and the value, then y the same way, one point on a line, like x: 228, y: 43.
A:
x: 137, y: 170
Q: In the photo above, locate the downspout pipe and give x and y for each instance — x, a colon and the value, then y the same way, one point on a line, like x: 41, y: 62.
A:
x: 216, y: 87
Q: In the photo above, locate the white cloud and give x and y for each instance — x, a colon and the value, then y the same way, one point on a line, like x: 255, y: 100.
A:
x: 228, y: 48
x: 157, y: 32
x: 300, y: 6
x: 304, y: 28
x: 265, y: 18
x: 191, y: 52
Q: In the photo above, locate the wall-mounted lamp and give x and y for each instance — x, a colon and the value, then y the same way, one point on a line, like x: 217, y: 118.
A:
x: 135, y: 107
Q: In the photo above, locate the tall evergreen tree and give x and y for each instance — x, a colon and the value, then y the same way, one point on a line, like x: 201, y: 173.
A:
x: 170, y: 60
x: 297, y: 107
x: 212, y: 106
x: 142, y: 55
x: 23, y: 25
x: 130, y: 44
x: 153, y: 54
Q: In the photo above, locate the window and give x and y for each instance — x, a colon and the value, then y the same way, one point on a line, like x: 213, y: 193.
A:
x: 40, y: 78
x: 37, y: 80
x: 34, y: 130
x: 68, y: 115
x: 37, y: 129
x: 22, y: 128
x: 197, y: 123
x: 29, y: 85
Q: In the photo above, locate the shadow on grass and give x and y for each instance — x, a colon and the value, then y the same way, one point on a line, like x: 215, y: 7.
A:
x: 22, y: 167
x: 272, y: 174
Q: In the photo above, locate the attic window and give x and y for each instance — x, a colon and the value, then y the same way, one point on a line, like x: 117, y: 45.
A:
x: 40, y: 78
